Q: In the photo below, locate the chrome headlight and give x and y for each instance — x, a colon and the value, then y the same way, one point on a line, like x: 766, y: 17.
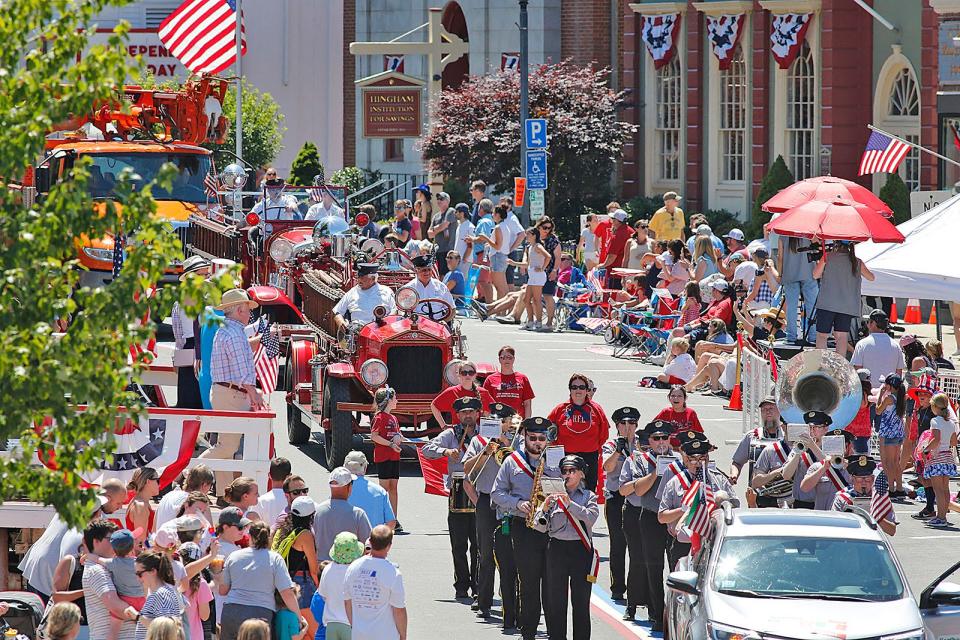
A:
x: 233, y: 177
x: 105, y: 255
x: 451, y: 371
x: 281, y: 249
x: 374, y: 372
x: 407, y: 298
x: 726, y: 632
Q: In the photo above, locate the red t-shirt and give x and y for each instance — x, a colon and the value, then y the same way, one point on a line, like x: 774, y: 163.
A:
x: 722, y: 310
x: 861, y: 426
x: 386, y: 426
x: 512, y: 390
x: 617, y: 245
x: 580, y: 429
x: 601, y: 234
x: 445, y: 399
x: 685, y: 420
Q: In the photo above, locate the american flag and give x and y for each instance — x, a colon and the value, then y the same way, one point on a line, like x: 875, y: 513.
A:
x: 882, y: 155
x: 880, y: 505
x: 119, y: 242
x: 211, y: 185
x: 699, y: 502
x: 316, y: 193
x: 202, y: 34
x: 267, y: 357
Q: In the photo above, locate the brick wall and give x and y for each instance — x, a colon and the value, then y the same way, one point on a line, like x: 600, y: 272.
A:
x: 846, y: 49
x: 929, y: 83
x: 585, y: 31
x: 762, y: 98
x: 632, y: 58
x: 349, y: 91
x: 696, y: 87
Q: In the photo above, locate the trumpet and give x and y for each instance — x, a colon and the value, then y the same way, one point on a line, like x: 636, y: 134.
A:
x: 836, y: 460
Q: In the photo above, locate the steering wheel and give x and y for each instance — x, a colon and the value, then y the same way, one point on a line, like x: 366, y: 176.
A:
x: 444, y: 313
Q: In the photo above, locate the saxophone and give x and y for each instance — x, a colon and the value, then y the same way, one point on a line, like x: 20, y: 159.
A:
x: 536, y: 494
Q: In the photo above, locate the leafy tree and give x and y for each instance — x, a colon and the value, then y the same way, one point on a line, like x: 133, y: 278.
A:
x: 350, y: 177
x: 306, y: 165
x: 896, y: 195
x: 458, y: 191
x: 476, y: 134
x: 777, y: 178
x: 263, y: 127
x: 44, y: 376
x: 643, y: 207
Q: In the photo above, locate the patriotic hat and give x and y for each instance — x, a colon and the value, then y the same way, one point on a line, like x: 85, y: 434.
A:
x: 927, y: 384
x: 860, y: 465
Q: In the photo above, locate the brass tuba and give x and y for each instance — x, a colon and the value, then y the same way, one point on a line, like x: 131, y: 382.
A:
x: 819, y: 380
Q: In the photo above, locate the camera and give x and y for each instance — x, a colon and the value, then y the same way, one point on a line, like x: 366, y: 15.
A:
x: 814, y: 251
x: 622, y: 446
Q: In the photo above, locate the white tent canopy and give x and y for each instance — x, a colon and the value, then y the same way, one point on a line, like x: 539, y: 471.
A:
x: 926, y: 265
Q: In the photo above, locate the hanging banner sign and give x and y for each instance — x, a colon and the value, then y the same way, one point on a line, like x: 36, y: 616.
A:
x: 724, y: 33
x: 659, y: 34
x: 787, y: 32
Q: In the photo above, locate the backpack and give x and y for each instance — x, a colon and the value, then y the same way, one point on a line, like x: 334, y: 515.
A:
x: 26, y: 610
x: 283, y: 546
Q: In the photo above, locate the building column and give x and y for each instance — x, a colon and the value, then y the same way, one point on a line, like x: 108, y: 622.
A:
x: 633, y: 53
x: 349, y: 90
x: 929, y: 84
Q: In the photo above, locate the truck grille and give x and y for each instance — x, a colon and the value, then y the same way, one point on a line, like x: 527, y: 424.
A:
x: 415, y: 369
x: 210, y: 239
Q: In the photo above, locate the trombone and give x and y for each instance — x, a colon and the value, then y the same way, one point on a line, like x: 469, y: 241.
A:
x: 500, y: 454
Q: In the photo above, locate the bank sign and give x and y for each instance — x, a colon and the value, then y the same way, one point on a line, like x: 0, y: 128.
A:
x: 145, y: 44
x: 949, y: 53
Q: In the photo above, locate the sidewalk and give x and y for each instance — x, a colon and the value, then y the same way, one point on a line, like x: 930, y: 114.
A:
x: 929, y: 331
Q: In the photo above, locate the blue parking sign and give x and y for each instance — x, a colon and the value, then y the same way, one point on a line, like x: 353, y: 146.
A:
x: 536, y: 133
x: 536, y: 170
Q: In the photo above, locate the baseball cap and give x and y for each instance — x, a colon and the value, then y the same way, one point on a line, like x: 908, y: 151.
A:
x: 356, y: 462
x: 189, y: 551
x: 879, y: 317
x: 461, y: 206
x: 619, y: 215
x: 189, y: 523
x: 341, y: 477
x: 234, y: 517
x: 736, y: 234
x: 768, y: 400
x: 303, y: 506
x: 121, y: 539
x: 704, y: 230
x: 166, y: 538
x: 443, y: 195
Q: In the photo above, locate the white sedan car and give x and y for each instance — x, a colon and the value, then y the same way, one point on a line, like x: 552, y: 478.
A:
x: 772, y: 574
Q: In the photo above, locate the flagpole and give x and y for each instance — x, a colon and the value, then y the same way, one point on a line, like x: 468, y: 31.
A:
x: 239, y: 119
x: 913, y: 144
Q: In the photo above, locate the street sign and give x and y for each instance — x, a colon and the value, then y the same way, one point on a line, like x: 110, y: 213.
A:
x: 536, y: 170
x: 536, y: 132
x: 923, y: 201
x: 536, y: 205
x: 519, y: 191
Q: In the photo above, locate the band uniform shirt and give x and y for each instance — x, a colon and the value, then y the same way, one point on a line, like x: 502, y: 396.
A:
x: 511, y: 389
x: 232, y: 357
x: 433, y: 289
x: 799, y: 494
x: 673, y: 493
x: 514, y: 485
x: 318, y: 211
x: 612, y: 481
x: 768, y: 460
x: 582, y: 506
x: 741, y: 455
x: 484, y: 482
x: 358, y: 304
x: 447, y: 439
x: 277, y: 208
x: 634, y: 468
x: 825, y: 491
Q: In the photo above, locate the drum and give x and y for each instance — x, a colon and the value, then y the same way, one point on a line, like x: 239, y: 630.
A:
x: 459, y: 501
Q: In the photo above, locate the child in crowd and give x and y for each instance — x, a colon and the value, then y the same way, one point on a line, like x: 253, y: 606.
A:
x: 385, y: 433
x: 318, y: 605
x: 287, y: 624
x: 123, y: 572
x: 198, y: 594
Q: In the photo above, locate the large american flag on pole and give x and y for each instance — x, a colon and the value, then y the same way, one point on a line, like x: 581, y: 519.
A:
x: 267, y: 358
x: 202, y: 34
x: 882, y: 155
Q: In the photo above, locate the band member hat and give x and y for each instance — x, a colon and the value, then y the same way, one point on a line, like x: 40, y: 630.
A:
x: 573, y: 461
x: 468, y: 403
x: 367, y: 268
x: 660, y: 426
x: 817, y: 417
x: 860, y: 465
x: 847, y: 436
x: 423, y: 261
x: 536, y: 425
x: 626, y: 413
x: 697, y: 446
x: 502, y: 411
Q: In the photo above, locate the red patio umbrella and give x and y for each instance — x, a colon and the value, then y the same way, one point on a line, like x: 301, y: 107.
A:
x: 824, y: 188
x: 836, y: 220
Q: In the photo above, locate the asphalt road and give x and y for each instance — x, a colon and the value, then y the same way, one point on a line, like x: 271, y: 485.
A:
x: 423, y: 553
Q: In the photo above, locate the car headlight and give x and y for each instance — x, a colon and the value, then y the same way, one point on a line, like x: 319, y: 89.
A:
x: 104, y: 255
x: 726, y: 632
x: 407, y: 298
x: 374, y: 372
x: 916, y: 634
x: 451, y: 371
x: 281, y: 249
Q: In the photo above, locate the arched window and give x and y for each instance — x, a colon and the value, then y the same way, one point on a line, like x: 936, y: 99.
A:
x: 903, y: 109
x: 668, y: 89
x: 733, y: 119
x: 800, y: 123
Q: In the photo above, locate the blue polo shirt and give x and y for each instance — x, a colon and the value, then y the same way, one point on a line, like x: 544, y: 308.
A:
x: 373, y: 499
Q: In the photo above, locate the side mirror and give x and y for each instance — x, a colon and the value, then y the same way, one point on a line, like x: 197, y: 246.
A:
x: 41, y: 178
x: 684, y: 582
x: 946, y: 593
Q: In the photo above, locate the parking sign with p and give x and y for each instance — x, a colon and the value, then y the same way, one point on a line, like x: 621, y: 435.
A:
x: 536, y: 133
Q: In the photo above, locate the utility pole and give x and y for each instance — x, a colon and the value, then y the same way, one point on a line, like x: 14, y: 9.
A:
x: 239, y: 42
x: 524, y: 101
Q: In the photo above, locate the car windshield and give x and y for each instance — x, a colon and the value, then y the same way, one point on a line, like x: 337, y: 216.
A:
x: 187, y: 184
x: 807, y: 567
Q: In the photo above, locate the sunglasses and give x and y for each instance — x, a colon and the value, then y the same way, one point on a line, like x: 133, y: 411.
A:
x: 568, y: 471
x: 508, y: 357
x: 536, y: 438
x: 626, y: 422
x: 699, y: 457
x: 547, y: 228
x: 578, y: 387
x: 467, y: 372
x: 660, y: 437
x: 299, y: 492
x: 140, y: 573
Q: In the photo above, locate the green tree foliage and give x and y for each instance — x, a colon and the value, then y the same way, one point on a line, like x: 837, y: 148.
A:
x: 897, y: 197
x: 43, y: 376
x: 305, y: 165
x: 777, y: 178
x: 352, y: 178
x: 263, y: 128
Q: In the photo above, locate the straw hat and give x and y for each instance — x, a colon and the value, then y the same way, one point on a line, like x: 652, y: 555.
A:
x: 235, y: 297
x: 194, y: 264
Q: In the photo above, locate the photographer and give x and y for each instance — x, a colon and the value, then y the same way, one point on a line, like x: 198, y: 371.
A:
x: 840, y: 272
x: 796, y: 275
x: 765, y: 283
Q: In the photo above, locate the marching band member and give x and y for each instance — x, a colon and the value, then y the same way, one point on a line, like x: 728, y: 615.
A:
x: 478, y: 466
x: 819, y: 422
x: 754, y: 441
x: 512, y: 491
x: 861, y: 470
x: 696, y: 460
x: 647, y: 537
x: 613, y: 453
x: 776, y: 462
x: 572, y: 560
x: 462, y: 527
x: 826, y: 477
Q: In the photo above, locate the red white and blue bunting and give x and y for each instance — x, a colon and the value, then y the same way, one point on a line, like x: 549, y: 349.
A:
x: 724, y: 33
x: 659, y: 34
x: 786, y: 36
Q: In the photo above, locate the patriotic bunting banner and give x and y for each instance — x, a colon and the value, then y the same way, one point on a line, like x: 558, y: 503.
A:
x: 659, y: 34
x: 786, y: 36
x: 724, y: 33
x: 510, y: 61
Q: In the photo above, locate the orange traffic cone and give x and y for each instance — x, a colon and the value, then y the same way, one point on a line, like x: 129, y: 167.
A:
x: 736, y: 401
x: 933, y: 314
x: 912, y: 314
x: 893, y: 312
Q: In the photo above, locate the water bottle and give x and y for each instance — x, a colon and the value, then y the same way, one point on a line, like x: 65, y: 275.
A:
x: 505, y: 526
x: 921, y: 494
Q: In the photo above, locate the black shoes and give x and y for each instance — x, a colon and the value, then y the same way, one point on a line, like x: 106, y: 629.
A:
x: 629, y: 613
x: 618, y: 596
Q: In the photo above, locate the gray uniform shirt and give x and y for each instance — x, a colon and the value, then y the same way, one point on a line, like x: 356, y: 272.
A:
x: 514, y: 485
x: 825, y: 492
x: 484, y: 483
x: 769, y: 459
x: 583, y: 507
x: 840, y: 286
x: 798, y: 493
x: 446, y: 439
x: 672, y: 497
x: 636, y: 467
x: 334, y: 516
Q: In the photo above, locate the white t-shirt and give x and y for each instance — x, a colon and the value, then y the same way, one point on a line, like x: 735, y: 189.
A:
x: 361, y: 303
x: 318, y: 211
x: 464, y: 230
x: 374, y: 586
x: 880, y: 354
x: 589, y: 242
x: 331, y: 588
x: 946, y: 428
x: 270, y: 506
x: 43, y: 557
x: 169, y: 505
x: 683, y: 367
x: 283, y: 208
x: 433, y: 289
x: 513, y: 229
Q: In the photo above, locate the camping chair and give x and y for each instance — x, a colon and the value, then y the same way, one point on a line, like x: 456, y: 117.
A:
x: 644, y: 334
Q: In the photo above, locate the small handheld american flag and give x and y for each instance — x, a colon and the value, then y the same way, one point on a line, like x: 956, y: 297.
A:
x: 267, y: 357
x: 211, y: 185
x: 882, y: 155
x: 119, y: 243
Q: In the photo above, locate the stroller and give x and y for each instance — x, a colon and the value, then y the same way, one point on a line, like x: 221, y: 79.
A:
x: 25, y: 613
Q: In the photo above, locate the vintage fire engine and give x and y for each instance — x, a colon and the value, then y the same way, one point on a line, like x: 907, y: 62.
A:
x: 330, y: 376
x: 142, y: 129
